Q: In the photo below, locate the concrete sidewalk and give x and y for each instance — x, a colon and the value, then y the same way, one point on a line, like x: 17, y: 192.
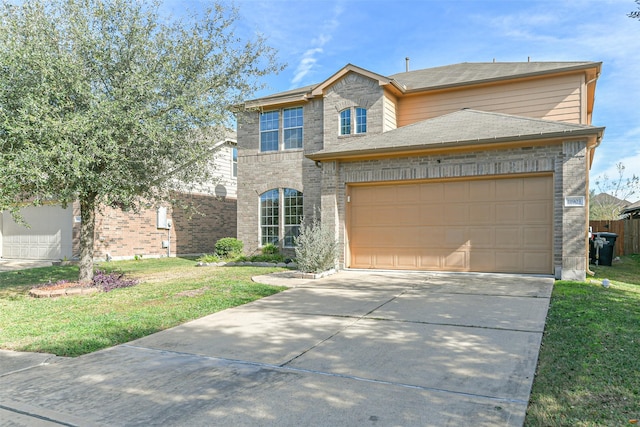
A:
x: 22, y: 264
x: 356, y: 348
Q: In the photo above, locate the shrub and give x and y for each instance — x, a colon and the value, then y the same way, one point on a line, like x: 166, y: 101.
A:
x: 229, y: 247
x: 316, y: 247
x: 267, y: 258
x: 112, y: 280
x: 208, y: 258
x: 270, y: 249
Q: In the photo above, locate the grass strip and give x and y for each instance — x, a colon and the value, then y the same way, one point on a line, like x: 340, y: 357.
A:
x: 588, y: 370
x: 171, y: 292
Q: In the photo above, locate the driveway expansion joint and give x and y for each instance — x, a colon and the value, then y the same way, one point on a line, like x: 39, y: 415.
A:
x: 39, y: 417
x: 284, y: 367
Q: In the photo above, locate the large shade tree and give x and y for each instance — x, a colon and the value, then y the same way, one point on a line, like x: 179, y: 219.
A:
x: 100, y: 100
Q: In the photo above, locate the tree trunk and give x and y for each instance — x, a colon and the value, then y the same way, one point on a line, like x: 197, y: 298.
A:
x: 87, y: 228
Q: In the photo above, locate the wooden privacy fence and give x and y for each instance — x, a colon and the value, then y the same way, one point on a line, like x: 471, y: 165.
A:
x: 628, y: 231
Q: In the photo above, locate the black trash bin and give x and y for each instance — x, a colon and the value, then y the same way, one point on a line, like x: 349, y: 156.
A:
x: 601, y: 248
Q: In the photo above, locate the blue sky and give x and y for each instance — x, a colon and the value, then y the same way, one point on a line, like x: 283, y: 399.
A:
x: 315, y: 38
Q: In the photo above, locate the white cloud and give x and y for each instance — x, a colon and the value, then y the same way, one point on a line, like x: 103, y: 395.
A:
x: 309, y: 58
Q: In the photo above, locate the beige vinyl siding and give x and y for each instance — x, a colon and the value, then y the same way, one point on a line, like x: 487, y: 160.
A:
x: 390, y: 113
x: 223, y: 184
x: 224, y: 169
x: 558, y: 99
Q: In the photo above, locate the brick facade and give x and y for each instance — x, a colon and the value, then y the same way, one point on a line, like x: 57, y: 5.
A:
x: 123, y: 235
x: 325, y: 183
x: 561, y: 159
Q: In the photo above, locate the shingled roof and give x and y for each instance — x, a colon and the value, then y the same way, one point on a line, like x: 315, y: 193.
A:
x: 461, y: 128
x: 466, y: 73
x: 482, y: 72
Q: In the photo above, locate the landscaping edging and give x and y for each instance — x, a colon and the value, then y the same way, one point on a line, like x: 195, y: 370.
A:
x: 301, y: 275
x: 54, y: 293
x: 291, y: 265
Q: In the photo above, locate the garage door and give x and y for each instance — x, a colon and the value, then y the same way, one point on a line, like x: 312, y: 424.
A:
x: 49, y: 235
x: 492, y: 225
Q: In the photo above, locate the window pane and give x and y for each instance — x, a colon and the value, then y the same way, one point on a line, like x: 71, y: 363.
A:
x: 292, y: 123
x: 292, y: 215
x: 292, y: 138
x: 269, y: 214
x: 269, y: 123
x: 345, y: 122
x: 361, y: 120
x: 234, y: 161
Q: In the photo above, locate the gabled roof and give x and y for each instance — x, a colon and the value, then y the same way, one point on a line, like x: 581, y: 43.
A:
x: 448, y: 76
x: 467, y: 73
x: 318, y: 90
x: 608, y: 199
x: 634, y: 207
x: 462, y: 128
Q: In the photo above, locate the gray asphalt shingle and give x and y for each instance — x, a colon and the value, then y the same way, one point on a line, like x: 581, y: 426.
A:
x: 463, y: 127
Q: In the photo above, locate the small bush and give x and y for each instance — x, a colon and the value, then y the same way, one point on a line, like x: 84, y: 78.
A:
x: 270, y: 249
x: 316, y: 247
x: 207, y: 258
x: 112, y: 280
x: 229, y: 247
x: 267, y: 258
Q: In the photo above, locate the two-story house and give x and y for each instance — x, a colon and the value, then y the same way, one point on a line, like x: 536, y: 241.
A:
x: 467, y: 167
x: 197, y: 219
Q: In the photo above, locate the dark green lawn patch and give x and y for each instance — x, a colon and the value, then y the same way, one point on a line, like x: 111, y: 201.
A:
x: 589, y: 366
x: 171, y: 292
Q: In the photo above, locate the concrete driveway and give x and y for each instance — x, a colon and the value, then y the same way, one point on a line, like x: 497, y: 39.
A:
x: 356, y: 348
x: 21, y: 264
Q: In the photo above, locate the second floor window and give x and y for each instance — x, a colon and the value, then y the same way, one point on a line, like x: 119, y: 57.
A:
x: 269, y: 123
x: 361, y: 120
x: 292, y: 124
x: 345, y: 122
x: 292, y: 127
x: 356, y: 121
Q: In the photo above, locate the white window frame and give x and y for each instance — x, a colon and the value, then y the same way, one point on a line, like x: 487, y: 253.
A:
x: 352, y: 124
x: 269, y: 129
x: 280, y: 129
x: 277, y: 217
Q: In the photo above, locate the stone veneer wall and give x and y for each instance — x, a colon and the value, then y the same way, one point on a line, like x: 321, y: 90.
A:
x: 563, y: 158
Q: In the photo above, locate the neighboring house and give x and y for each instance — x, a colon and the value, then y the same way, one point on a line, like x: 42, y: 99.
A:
x: 631, y: 211
x: 604, y: 206
x: 54, y: 232
x: 467, y: 167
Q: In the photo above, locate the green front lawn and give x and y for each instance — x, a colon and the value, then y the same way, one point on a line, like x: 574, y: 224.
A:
x: 588, y: 371
x: 172, y: 291
x: 589, y: 366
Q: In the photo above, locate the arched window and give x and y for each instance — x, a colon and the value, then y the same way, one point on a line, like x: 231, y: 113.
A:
x: 345, y: 122
x: 269, y: 216
x: 280, y: 215
x: 292, y: 215
x: 357, y: 120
